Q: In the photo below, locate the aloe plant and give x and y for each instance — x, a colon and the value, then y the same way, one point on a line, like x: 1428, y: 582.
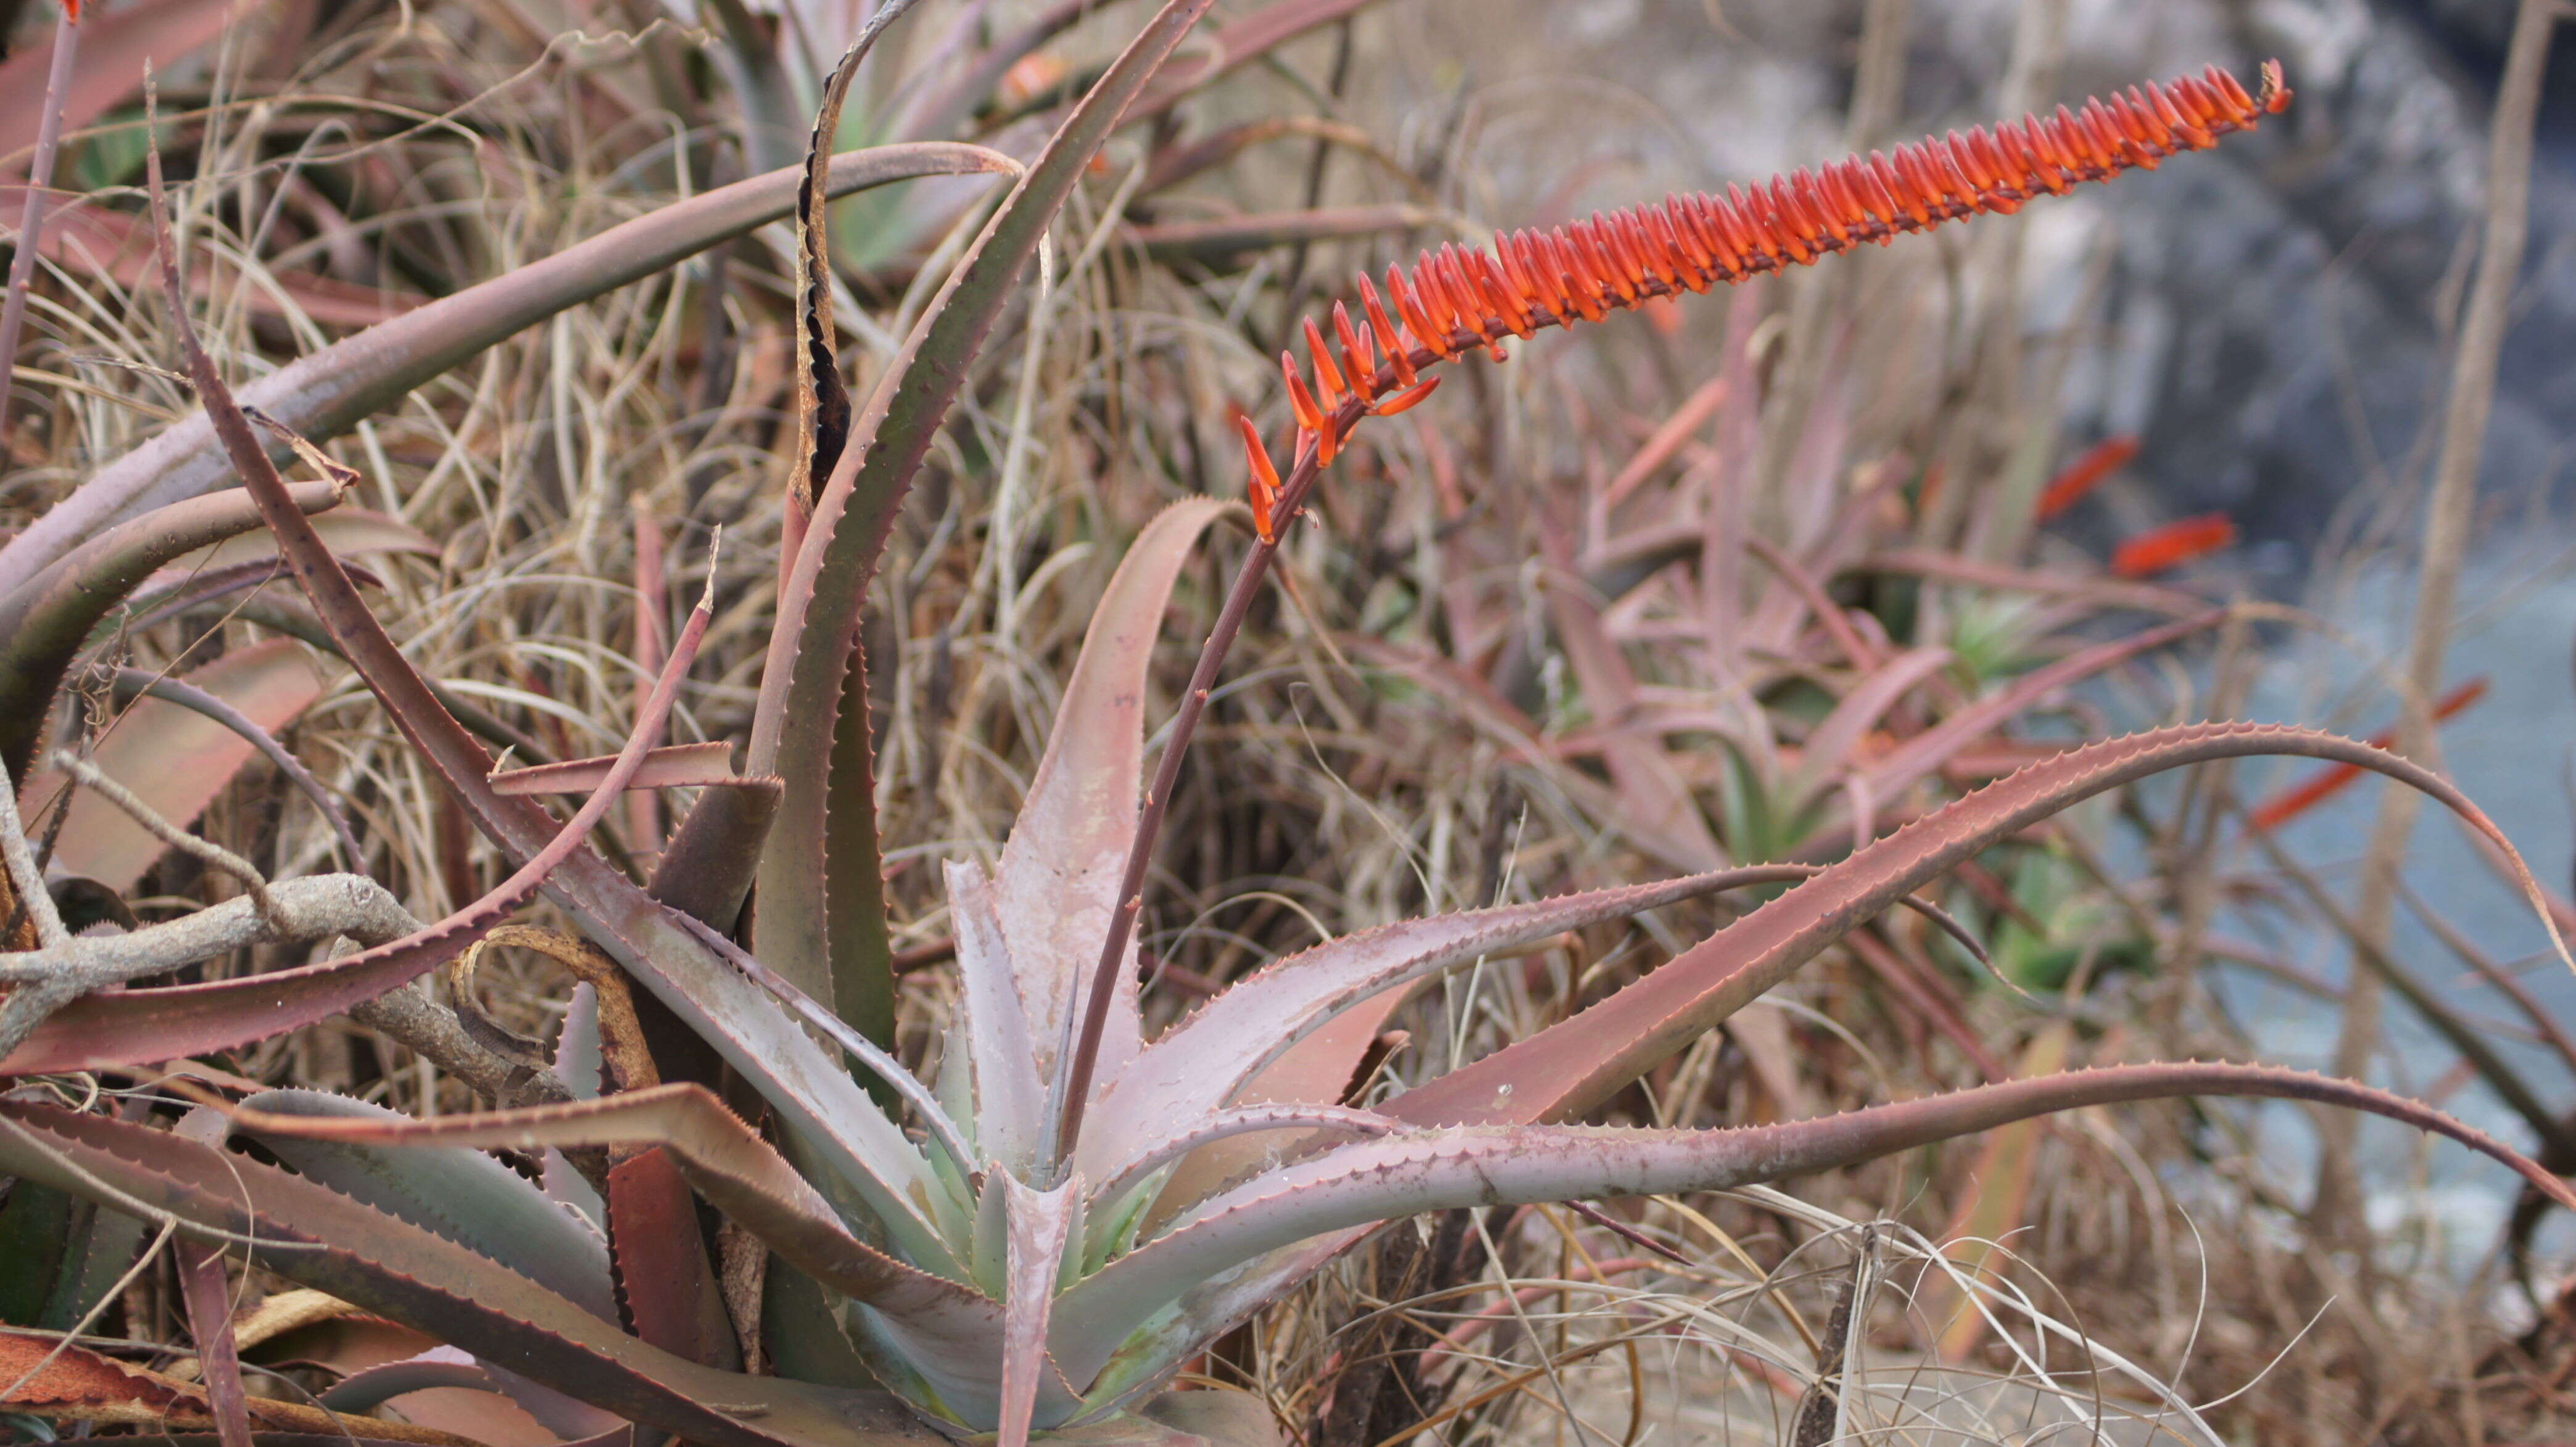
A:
x: 1036, y: 1236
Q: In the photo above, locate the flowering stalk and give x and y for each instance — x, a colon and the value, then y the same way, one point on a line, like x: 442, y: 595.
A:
x: 1456, y: 300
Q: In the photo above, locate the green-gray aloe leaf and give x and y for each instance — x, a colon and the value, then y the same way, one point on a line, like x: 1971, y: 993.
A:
x: 319, y: 1238
x: 463, y: 1195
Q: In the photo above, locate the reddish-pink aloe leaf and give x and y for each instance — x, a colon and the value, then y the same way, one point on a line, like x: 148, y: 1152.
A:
x: 671, y: 766
x: 1829, y: 746
x: 175, y: 758
x: 1041, y: 1223
x: 327, y: 392
x: 115, y: 46
x: 132, y: 683
x: 822, y: 920
x: 209, y: 1301
x: 181, y: 1020
x: 1572, y: 1066
x: 44, y: 622
x: 1921, y: 754
x: 672, y: 1298
x: 1057, y: 884
x: 110, y: 246
x: 1244, y: 40
x: 1356, y: 1185
x: 395, y: 1269
x: 1206, y: 1060
x: 817, y: 1100
x: 1655, y: 805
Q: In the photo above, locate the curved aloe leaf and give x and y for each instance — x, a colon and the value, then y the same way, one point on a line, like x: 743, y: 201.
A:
x: 823, y: 1109
x: 312, y: 1235
x: 44, y: 621
x: 822, y: 918
x: 1573, y: 1065
x: 132, y: 683
x: 180, y: 1020
x: 1057, y: 884
x: 1832, y: 741
x: 1202, y: 1062
x: 327, y: 392
x: 1921, y: 754
x: 1468, y: 1166
x: 176, y: 758
x: 463, y: 1195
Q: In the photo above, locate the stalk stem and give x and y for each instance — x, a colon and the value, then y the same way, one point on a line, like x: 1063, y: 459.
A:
x: 1076, y: 1066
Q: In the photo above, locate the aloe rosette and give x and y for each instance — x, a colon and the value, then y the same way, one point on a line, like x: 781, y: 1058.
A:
x: 1036, y: 1237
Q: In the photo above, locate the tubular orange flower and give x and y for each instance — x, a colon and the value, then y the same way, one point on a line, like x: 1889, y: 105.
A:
x: 2085, y: 474
x: 2158, y: 550
x: 1263, y: 484
x: 1455, y: 300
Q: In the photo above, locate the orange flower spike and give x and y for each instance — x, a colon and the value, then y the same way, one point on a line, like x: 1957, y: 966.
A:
x: 1408, y: 305
x: 1262, y: 480
x: 1665, y: 227
x: 1945, y: 164
x: 1707, y: 240
x: 1816, y: 215
x: 1627, y: 237
x: 2112, y: 132
x: 1572, y: 275
x: 1788, y: 238
x: 1519, y: 303
x: 2055, y: 161
x: 1443, y: 309
x: 1329, y: 386
x: 1993, y: 171
x: 1842, y: 187
x: 1529, y: 254
x: 1359, y: 359
x: 2162, y: 549
x: 1965, y: 159
x: 2202, y: 101
x: 1398, y: 350
x: 1310, y: 418
x: 2144, y: 126
x: 2142, y: 131
x: 1921, y: 185
x: 2247, y: 112
x: 2104, y: 136
x: 1526, y: 277
x: 1906, y: 211
x: 1582, y: 273
x: 1408, y: 399
x: 1867, y: 184
x: 2169, y: 110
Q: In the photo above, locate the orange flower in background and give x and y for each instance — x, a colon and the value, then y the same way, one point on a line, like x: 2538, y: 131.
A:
x: 2160, y: 550
x: 2085, y: 474
x: 2292, y: 802
x: 1461, y: 298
